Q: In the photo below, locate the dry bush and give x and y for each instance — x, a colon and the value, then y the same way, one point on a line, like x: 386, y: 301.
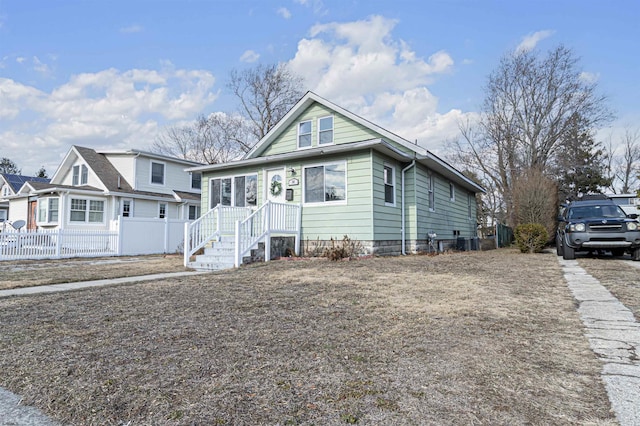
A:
x: 535, y: 199
x: 345, y: 249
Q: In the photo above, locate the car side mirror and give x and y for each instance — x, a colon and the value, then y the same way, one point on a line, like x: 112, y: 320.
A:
x: 632, y: 216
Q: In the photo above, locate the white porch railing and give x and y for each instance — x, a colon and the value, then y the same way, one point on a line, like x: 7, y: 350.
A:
x: 270, y: 218
x: 58, y: 243
x: 212, y: 225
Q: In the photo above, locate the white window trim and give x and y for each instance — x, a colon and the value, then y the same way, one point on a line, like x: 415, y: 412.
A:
x: 75, y: 178
x: 164, y: 173
x: 431, y: 192
x: 130, y: 200
x: 233, y: 188
x: 47, y: 211
x: 310, y: 134
x: 166, y: 209
x: 452, y: 192
x: 87, y: 211
x: 393, y: 184
x: 325, y: 203
x: 333, y: 133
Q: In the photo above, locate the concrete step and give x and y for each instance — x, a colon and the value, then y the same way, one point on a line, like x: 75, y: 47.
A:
x: 206, y: 266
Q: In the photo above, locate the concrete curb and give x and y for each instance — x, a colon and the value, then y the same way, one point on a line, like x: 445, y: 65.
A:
x: 614, y: 336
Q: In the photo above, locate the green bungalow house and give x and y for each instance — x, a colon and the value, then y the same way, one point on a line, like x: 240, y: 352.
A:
x: 322, y: 173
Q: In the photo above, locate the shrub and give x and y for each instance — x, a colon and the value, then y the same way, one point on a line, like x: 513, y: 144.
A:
x: 531, y: 237
x: 343, y: 249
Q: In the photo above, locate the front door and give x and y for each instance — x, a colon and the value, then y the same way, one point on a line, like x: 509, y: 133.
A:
x: 31, y: 220
x: 275, y: 185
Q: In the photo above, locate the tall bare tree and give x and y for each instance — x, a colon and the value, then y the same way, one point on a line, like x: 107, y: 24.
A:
x: 529, y: 111
x: 266, y: 93
x: 627, y: 164
x: 218, y: 138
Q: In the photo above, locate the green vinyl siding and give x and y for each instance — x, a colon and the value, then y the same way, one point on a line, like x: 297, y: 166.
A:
x: 353, y: 218
x: 447, y: 216
x: 344, y: 131
x: 387, y: 220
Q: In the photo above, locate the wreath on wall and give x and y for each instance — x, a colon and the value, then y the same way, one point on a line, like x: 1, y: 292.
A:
x: 276, y: 188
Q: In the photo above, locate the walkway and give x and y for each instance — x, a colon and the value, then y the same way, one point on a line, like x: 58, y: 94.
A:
x: 97, y: 283
x: 614, y: 335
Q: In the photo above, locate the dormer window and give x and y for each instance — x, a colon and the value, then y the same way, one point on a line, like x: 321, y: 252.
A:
x: 304, y: 134
x: 80, y: 175
x: 157, y: 173
x: 325, y: 130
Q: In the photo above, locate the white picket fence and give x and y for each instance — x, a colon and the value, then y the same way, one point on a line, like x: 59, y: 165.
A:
x: 128, y: 236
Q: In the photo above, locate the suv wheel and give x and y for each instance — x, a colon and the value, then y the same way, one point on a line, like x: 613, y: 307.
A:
x: 559, y: 245
x: 635, y: 254
x: 617, y: 252
x: 568, y: 253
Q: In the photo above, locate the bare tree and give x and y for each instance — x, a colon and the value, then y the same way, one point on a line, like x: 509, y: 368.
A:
x: 529, y: 111
x: 536, y: 199
x: 627, y: 165
x: 218, y: 138
x: 266, y: 93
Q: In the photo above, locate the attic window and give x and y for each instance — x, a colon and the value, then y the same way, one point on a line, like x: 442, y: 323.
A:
x: 304, y: 134
x: 80, y: 175
x: 325, y: 130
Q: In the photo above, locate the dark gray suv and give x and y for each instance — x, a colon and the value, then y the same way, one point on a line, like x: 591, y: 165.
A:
x: 597, y: 226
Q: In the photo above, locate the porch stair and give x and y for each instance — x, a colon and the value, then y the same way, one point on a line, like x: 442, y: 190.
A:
x: 221, y: 254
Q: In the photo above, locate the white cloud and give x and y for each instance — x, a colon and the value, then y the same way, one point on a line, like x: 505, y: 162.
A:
x: 284, y: 12
x: 110, y: 108
x: 249, y: 56
x: 40, y: 67
x: 530, y: 41
x: 360, y: 66
x: 135, y: 28
x: 316, y: 5
x: 589, y: 77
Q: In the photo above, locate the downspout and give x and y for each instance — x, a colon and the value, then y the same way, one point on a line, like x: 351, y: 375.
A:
x: 404, y: 251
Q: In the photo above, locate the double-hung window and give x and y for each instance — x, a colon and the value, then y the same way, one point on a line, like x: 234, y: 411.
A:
x: 91, y: 211
x: 239, y: 191
x: 469, y: 205
x: 389, y: 185
x: 48, y: 210
x: 196, y: 180
x: 80, y: 175
x: 194, y: 212
x: 325, y: 183
x: 157, y: 173
x: 304, y: 134
x: 162, y: 210
x: 432, y: 198
x: 325, y: 130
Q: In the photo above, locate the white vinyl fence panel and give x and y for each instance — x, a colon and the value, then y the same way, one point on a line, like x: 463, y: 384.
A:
x: 129, y: 236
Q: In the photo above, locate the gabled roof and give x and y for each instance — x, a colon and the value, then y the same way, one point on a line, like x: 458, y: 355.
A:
x: 16, y: 181
x: 414, y: 151
x: 306, y: 101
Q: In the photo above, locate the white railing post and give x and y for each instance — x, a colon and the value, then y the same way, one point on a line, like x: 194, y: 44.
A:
x: 298, y: 230
x: 238, y: 250
x: 267, y: 238
x: 186, y: 245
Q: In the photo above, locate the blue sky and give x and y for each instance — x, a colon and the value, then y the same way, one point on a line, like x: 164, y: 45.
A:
x: 112, y: 74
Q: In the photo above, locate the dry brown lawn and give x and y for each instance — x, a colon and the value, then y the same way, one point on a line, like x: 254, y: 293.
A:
x: 26, y: 273
x: 621, y: 278
x: 470, y: 338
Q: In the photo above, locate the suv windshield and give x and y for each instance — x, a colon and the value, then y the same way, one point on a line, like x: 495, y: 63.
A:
x: 607, y: 210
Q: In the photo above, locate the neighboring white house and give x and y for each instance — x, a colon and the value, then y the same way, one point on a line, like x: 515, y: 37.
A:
x: 10, y: 184
x: 630, y: 203
x: 92, y: 188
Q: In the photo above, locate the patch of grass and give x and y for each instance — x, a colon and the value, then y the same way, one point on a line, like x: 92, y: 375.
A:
x: 460, y: 338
